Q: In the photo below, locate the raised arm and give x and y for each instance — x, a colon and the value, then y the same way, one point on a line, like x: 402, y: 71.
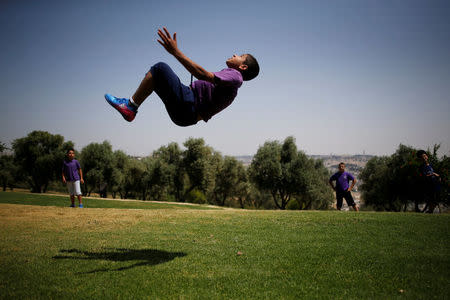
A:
x: 170, y: 44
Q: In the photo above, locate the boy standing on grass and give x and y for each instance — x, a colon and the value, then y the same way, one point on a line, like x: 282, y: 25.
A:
x: 342, y: 189
x: 72, y: 175
x: 186, y: 105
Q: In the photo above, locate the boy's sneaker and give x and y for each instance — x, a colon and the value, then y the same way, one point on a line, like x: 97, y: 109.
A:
x: 80, y: 206
x: 72, y: 205
x: 123, y: 106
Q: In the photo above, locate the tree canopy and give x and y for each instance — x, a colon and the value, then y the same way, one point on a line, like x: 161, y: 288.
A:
x: 39, y: 156
x: 392, y: 183
x: 279, y: 177
x: 286, y: 173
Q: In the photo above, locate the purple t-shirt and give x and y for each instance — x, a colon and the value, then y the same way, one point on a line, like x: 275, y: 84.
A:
x: 212, y: 98
x: 427, y: 170
x: 70, y: 169
x: 342, y: 180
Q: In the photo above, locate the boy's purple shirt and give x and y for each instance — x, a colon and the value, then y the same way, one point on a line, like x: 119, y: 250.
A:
x: 342, y: 180
x: 212, y: 98
x: 70, y: 169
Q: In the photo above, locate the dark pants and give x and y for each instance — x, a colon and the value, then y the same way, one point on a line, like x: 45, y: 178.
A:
x: 432, y: 193
x: 348, y: 198
x: 178, y: 98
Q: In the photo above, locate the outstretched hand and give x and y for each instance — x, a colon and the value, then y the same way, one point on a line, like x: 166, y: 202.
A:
x: 169, y: 43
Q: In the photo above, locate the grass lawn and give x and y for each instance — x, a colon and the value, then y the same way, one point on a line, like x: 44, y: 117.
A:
x: 64, y: 201
x: 187, y: 252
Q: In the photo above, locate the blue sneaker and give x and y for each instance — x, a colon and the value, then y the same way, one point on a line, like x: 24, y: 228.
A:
x: 80, y: 206
x: 122, y: 105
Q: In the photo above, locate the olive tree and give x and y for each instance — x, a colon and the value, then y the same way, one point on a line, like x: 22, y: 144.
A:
x: 39, y: 158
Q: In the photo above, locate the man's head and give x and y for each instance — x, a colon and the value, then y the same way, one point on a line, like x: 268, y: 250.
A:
x: 246, y: 64
x: 341, y: 167
x: 421, y: 154
x: 70, y: 154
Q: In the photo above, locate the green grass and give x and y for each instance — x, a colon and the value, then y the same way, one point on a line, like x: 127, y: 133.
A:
x: 103, y: 253
x: 64, y: 201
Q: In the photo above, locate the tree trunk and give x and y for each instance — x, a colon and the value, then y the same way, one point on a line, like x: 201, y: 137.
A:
x: 284, y: 200
x: 241, y: 202
x: 416, y: 206
x: 308, y: 206
x: 36, y: 189
x: 425, y: 208
x: 178, y: 195
x: 274, y: 196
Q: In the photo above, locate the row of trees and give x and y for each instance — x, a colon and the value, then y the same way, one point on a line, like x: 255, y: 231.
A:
x: 395, y: 183
x: 279, y: 176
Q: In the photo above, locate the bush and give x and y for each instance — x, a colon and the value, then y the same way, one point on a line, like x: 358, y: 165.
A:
x: 196, y: 196
x: 293, y: 205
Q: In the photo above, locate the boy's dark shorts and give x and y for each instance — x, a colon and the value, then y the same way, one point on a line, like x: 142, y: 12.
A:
x: 178, y: 98
x: 348, y: 198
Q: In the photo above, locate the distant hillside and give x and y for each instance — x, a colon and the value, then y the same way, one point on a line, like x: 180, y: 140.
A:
x: 354, y: 163
x: 245, y: 159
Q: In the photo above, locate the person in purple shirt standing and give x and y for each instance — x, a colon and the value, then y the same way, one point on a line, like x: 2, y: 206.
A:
x: 72, y: 176
x: 432, y: 182
x: 342, y: 188
x: 186, y: 105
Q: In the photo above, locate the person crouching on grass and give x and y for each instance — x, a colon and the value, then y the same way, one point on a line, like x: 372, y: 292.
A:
x: 342, y: 189
x: 72, y: 176
x: 186, y: 105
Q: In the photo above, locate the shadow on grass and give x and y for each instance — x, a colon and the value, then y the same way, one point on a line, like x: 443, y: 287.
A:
x: 143, y: 257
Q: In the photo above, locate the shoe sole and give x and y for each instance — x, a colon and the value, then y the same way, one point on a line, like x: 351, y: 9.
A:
x: 126, y: 114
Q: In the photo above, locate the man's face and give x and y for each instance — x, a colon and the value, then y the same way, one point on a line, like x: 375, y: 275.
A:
x: 341, y: 168
x: 425, y: 157
x: 236, y: 61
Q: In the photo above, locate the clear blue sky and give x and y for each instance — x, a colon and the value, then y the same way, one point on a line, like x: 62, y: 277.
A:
x: 341, y: 77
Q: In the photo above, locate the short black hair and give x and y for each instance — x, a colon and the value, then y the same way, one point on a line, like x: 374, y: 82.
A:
x: 420, y: 153
x: 252, y: 68
x: 70, y: 149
